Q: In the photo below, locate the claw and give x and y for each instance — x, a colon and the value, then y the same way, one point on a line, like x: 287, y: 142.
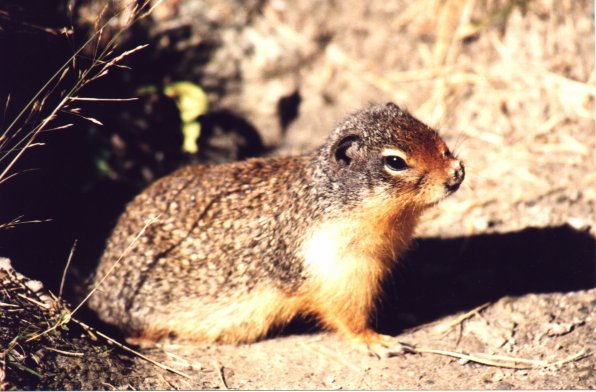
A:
x: 381, y: 346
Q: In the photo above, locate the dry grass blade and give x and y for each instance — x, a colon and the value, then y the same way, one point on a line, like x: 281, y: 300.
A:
x: 181, y: 360
x: 58, y: 128
x: 72, y: 250
x: 90, y: 119
x: 116, y: 60
x: 16, y: 364
x: 572, y: 358
x: 3, y: 137
x: 33, y: 301
x: 130, y: 350
x: 33, y: 108
x: 46, y: 313
x: 150, y: 10
x: 6, y: 15
x: 11, y: 224
x: 221, y: 375
x: 31, y: 137
x: 168, y: 382
x: 445, y: 328
x: 504, y: 361
x: 4, y: 153
x: 65, y: 318
x: 149, y: 222
x: 64, y: 352
x: 103, y: 99
x: 17, y: 221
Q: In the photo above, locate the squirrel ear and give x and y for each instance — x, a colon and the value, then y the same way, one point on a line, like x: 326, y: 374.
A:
x: 345, y: 150
x: 392, y: 105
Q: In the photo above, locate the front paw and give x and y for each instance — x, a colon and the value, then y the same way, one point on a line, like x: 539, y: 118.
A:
x: 380, y: 346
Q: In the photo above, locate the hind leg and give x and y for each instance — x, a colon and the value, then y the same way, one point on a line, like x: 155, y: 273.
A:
x: 240, y: 320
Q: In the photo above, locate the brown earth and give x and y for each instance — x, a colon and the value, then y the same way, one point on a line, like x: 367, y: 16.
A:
x: 511, y: 87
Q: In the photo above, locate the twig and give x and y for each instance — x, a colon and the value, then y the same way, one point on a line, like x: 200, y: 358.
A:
x: 182, y: 361
x: 65, y: 318
x: 132, y: 243
x: 40, y: 304
x: 472, y: 358
x: 64, y: 352
x: 445, y: 328
x: 221, y: 375
x: 575, y: 357
x: 168, y: 382
x: 504, y: 361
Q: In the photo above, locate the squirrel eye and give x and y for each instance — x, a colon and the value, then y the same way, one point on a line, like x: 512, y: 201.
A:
x: 394, y: 163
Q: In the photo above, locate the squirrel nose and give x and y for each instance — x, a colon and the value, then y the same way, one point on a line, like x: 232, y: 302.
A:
x: 457, y: 177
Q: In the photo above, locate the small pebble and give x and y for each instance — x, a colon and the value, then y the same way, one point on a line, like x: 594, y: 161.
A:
x: 34, y: 285
x: 578, y: 223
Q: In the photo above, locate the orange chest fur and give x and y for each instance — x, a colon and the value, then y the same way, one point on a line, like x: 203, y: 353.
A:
x: 346, y: 259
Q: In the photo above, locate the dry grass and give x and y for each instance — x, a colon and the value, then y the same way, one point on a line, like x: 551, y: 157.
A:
x: 25, y: 314
x: 35, y: 117
x: 32, y: 319
x: 503, y: 361
x: 35, y: 320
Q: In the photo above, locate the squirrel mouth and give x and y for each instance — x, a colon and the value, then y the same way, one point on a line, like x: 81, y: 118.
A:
x: 451, y: 188
x: 458, y: 177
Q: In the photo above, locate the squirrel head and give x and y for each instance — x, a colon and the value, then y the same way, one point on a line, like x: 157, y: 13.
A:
x: 386, y: 153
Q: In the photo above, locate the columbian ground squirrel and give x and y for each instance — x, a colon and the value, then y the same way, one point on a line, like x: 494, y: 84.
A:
x: 239, y: 248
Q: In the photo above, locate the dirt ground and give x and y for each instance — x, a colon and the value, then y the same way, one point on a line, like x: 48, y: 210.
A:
x: 511, y: 326
x: 505, y: 268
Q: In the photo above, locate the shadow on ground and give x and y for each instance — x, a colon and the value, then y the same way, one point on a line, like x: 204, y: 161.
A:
x: 445, y: 276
